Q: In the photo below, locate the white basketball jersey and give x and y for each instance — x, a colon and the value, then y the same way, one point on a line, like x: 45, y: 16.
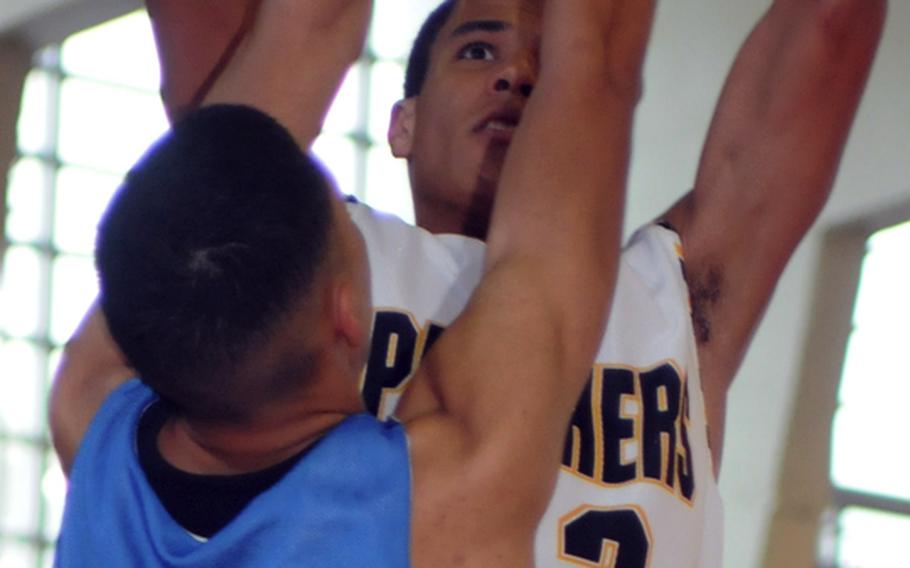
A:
x: 636, y: 488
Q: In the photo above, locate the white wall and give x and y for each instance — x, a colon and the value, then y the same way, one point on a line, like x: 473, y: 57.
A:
x: 694, y: 44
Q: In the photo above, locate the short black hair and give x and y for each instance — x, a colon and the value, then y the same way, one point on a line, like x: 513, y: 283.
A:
x: 419, y: 58
x: 209, y: 243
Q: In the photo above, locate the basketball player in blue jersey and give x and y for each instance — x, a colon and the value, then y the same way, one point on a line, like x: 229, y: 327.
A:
x: 234, y: 280
x: 766, y: 170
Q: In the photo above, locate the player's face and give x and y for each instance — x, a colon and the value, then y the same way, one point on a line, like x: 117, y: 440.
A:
x: 482, y: 68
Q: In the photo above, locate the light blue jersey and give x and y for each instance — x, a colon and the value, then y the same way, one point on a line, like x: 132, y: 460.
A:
x: 346, y: 503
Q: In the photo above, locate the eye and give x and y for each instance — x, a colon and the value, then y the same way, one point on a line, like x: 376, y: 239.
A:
x: 478, y: 51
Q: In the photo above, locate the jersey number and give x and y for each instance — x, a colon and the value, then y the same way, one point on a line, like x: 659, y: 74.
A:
x: 605, y: 538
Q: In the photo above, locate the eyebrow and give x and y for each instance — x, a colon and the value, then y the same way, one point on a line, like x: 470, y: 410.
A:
x: 480, y: 26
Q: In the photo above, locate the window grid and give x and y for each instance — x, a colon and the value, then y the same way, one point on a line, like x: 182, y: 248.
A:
x: 35, y: 541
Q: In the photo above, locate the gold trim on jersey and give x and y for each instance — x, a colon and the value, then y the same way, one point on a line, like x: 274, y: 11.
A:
x: 682, y: 466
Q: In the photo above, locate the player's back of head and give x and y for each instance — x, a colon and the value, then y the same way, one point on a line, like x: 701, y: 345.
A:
x: 214, y: 239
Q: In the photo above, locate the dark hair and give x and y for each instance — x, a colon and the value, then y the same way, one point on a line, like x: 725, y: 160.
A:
x: 419, y: 59
x: 214, y: 236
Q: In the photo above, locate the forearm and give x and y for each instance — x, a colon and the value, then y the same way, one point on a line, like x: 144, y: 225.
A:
x: 293, y: 61
x: 561, y: 195
x: 195, y: 41
x: 787, y: 108
x: 538, y: 314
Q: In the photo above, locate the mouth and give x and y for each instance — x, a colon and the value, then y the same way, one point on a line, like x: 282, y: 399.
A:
x: 500, y: 124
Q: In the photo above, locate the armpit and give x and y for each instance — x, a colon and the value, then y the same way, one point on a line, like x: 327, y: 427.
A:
x: 704, y: 294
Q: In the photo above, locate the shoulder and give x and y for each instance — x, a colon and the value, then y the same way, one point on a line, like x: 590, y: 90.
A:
x: 430, y: 275
x: 386, y: 231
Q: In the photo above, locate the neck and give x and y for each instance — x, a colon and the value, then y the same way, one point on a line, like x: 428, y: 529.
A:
x: 449, y: 219
x: 444, y: 216
x: 270, y: 437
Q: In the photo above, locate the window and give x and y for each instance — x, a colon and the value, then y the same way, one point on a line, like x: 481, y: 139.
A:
x: 88, y: 112
x: 869, y: 459
x: 90, y: 108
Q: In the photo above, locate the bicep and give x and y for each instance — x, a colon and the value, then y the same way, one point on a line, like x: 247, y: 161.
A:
x: 504, y: 378
x: 486, y: 423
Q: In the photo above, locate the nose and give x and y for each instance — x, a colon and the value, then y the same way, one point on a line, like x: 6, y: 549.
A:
x: 524, y: 89
x: 517, y: 77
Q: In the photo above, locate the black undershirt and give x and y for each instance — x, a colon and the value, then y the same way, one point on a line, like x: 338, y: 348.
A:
x: 201, y: 504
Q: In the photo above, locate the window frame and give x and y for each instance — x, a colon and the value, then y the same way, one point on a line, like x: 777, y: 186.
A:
x: 804, y: 527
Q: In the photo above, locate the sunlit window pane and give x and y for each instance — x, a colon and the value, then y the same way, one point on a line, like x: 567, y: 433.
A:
x: 121, y: 51
x: 873, y: 539
x: 344, y: 115
x: 14, y: 553
x: 75, y: 285
x: 21, y: 471
x: 387, y: 184
x: 21, y: 388
x: 33, y: 133
x: 867, y: 454
x: 53, y: 491
x: 27, y: 217
x: 339, y: 155
x: 21, y: 294
x: 386, y: 89
x: 105, y: 127
x: 82, y: 196
x: 883, y: 303
x: 394, y: 28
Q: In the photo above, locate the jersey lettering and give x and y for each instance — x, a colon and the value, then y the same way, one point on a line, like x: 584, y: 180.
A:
x: 396, y: 348
x: 630, y: 424
x: 391, y: 357
x: 633, y: 425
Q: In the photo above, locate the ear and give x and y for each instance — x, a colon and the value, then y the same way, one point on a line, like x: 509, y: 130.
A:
x: 350, y: 325
x: 401, y: 127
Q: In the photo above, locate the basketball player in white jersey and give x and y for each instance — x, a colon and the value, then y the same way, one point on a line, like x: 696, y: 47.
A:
x: 637, y: 486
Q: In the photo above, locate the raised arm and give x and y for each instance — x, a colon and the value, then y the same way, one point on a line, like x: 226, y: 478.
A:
x: 487, y: 411
x: 195, y: 41
x: 767, y: 168
x: 197, y: 38
x: 293, y: 61
x: 287, y: 57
